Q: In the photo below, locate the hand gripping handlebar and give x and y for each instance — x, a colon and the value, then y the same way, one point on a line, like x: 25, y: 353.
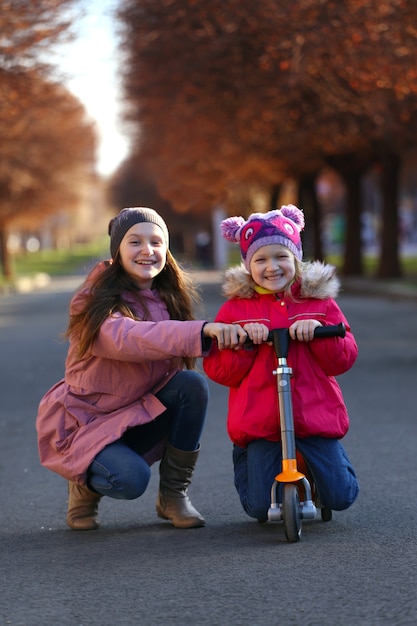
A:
x: 280, y: 337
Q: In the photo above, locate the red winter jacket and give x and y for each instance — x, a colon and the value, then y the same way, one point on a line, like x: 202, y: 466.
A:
x: 318, y: 404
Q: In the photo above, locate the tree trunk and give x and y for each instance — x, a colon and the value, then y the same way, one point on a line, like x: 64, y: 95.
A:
x: 352, y: 258
x: 308, y: 201
x: 351, y: 169
x: 389, y: 265
x: 5, y: 260
x: 275, y: 193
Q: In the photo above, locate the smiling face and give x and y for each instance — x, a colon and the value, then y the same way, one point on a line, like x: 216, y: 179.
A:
x: 273, y: 267
x: 143, y: 253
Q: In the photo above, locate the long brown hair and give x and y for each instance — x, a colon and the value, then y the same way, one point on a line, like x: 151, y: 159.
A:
x: 105, y: 296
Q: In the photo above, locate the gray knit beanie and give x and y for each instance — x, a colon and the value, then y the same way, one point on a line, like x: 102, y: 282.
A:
x: 119, y: 225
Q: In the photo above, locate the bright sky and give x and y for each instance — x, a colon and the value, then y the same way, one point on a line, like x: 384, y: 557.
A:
x: 91, y: 65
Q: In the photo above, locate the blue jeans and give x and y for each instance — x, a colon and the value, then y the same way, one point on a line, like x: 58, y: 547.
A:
x: 257, y: 465
x: 119, y: 471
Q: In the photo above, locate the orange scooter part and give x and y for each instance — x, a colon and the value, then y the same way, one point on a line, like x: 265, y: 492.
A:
x: 294, y: 470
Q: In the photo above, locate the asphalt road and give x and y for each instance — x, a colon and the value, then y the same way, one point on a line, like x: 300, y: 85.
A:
x: 359, y: 569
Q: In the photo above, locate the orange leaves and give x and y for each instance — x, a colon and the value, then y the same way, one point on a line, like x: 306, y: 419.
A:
x: 45, y: 138
x: 241, y: 88
x: 28, y: 28
x: 46, y: 141
x: 356, y: 38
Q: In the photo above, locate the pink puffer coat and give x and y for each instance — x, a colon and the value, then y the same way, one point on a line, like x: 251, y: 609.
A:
x: 113, y: 387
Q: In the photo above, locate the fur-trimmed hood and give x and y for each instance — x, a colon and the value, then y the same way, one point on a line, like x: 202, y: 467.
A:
x: 318, y: 280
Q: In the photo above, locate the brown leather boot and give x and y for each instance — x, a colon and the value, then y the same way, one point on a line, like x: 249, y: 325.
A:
x: 82, y: 507
x: 176, y: 470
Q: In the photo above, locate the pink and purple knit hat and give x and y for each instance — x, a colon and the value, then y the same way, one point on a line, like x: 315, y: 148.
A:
x: 282, y: 226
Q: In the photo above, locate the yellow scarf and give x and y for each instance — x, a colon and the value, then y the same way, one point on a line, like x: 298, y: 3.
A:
x: 262, y: 290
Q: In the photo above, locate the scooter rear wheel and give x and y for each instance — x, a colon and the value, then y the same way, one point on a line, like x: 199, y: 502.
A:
x: 326, y: 514
x: 291, y: 512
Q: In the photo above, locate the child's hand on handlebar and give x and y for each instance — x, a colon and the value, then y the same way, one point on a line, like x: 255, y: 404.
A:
x: 303, y: 330
x: 227, y: 335
x: 257, y: 333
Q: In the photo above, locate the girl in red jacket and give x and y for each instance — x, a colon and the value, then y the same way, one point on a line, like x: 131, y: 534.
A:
x: 275, y: 289
x: 130, y: 394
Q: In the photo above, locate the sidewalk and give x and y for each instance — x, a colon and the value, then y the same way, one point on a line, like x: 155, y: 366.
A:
x: 391, y: 289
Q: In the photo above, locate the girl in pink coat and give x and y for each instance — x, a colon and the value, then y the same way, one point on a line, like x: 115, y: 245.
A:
x: 130, y: 395
x: 275, y: 289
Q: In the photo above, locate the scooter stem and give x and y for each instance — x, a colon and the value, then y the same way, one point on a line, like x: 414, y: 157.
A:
x: 284, y: 373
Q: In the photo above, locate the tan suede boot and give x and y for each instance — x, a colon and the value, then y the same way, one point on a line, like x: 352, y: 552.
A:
x: 176, y: 470
x: 82, y: 507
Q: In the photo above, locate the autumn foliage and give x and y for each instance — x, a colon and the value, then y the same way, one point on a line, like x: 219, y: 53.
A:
x: 47, y: 146
x: 230, y: 95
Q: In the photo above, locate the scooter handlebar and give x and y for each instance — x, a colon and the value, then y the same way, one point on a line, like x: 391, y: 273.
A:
x: 321, y: 332
x: 336, y: 330
x: 280, y: 337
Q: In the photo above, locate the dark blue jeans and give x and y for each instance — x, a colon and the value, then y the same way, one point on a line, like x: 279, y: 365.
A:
x: 257, y: 465
x: 119, y: 471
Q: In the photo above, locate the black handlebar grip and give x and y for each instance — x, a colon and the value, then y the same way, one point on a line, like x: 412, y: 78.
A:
x: 280, y: 336
x: 337, y: 330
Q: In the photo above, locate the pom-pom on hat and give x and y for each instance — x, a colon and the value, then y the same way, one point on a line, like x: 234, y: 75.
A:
x: 281, y: 226
x: 119, y: 225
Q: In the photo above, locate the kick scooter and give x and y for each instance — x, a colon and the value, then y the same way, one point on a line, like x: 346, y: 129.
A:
x: 295, y: 502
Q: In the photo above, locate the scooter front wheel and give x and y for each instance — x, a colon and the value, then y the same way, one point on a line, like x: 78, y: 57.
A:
x: 291, y: 512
